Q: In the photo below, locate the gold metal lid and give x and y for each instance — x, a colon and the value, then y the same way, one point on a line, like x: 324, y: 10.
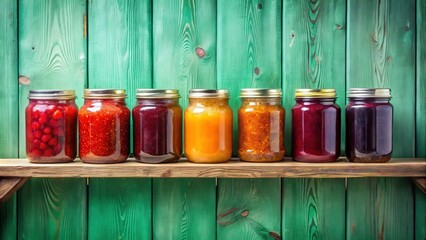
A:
x: 54, y: 94
x: 208, y: 93
x: 369, y: 93
x: 157, y: 93
x: 104, y: 93
x: 315, y: 93
x: 260, y: 92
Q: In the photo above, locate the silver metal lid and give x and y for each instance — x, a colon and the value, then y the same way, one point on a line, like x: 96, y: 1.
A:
x: 52, y: 94
x: 208, y: 93
x: 315, y: 93
x: 369, y: 93
x: 157, y: 93
x: 260, y: 92
x: 104, y: 93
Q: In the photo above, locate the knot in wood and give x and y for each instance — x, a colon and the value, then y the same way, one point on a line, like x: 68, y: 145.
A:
x: 256, y: 71
x: 201, y: 53
x: 259, y: 6
x: 24, y: 80
x: 245, y: 213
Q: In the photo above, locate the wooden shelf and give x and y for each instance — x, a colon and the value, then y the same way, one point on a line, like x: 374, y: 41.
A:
x: 232, y: 169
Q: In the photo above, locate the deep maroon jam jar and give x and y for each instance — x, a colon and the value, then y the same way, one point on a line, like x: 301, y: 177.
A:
x: 51, y: 126
x: 369, y: 117
x: 157, y: 126
x: 316, y: 126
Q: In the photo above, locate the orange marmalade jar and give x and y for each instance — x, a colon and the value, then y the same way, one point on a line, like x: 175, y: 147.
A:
x: 208, y: 126
x: 261, y: 125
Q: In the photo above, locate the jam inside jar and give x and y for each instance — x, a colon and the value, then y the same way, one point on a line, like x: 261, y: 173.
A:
x: 104, y: 126
x: 157, y: 126
x: 316, y: 126
x: 369, y: 119
x: 51, y: 126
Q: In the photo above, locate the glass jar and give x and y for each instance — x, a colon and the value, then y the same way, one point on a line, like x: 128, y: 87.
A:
x: 157, y: 126
x: 261, y: 125
x: 104, y: 122
x: 369, y: 117
x: 208, y: 126
x: 316, y: 126
x: 51, y: 126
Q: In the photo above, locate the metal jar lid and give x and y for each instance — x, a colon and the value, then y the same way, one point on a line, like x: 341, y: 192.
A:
x: 369, y: 93
x: 52, y: 94
x: 208, y: 93
x: 315, y: 93
x: 157, y: 93
x: 260, y: 93
x: 104, y: 93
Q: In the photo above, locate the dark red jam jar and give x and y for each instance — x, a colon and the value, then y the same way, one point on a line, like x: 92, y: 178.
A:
x: 51, y: 126
x: 157, y: 126
x: 369, y: 117
x: 316, y: 126
x: 104, y: 125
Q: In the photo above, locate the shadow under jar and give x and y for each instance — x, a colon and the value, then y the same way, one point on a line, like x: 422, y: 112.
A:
x: 104, y: 122
x: 369, y: 119
x: 51, y: 126
x: 157, y: 126
x: 316, y: 126
x: 261, y: 125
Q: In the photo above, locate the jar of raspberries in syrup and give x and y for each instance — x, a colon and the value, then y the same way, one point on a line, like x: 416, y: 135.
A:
x: 51, y: 126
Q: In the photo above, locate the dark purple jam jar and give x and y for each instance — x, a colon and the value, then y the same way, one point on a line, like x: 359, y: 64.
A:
x: 157, y: 126
x: 316, y: 126
x: 369, y: 117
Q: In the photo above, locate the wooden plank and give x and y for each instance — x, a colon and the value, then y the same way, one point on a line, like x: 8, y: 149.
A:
x: 420, y: 183
x: 248, y: 209
x: 380, y: 52
x: 52, y: 54
x: 184, y: 57
x: 120, y: 52
x: 120, y: 208
x: 232, y: 169
x: 8, y: 186
x: 421, y: 79
x: 420, y: 215
x: 183, y: 208
x: 9, y: 97
x: 313, y: 57
x: 313, y: 209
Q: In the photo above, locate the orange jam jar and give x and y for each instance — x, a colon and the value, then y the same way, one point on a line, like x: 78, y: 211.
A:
x: 261, y: 125
x: 208, y: 126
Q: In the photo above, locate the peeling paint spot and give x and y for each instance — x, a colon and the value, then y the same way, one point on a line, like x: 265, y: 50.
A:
x: 201, y: 53
x: 24, y: 80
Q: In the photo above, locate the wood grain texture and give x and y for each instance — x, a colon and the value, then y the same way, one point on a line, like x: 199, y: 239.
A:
x: 119, y: 208
x: 248, y: 49
x: 52, y: 54
x: 249, y: 209
x: 313, y: 52
x: 8, y: 98
x: 8, y: 186
x: 313, y: 209
x: 184, y: 209
x: 420, y: 183
x: 233, y: 169
x: 421, y: 79
x: 52, y: 209
x: 420, y: 215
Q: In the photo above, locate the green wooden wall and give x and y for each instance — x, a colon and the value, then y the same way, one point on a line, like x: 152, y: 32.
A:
x: 237, y: 44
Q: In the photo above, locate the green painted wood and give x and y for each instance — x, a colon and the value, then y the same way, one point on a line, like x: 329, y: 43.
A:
x: 8, y: 99
x: 184, y: 57
x: 120, y: 52
x: 183, y: 208
x: 420, y: 215
x: 249, y: 209
x: 381, y: 52
x: 52, y: 54
x: 248, y: 48
x: 313, y: 209
x: 120, y: 208
x: 313, y: 57
x: 421, y: 80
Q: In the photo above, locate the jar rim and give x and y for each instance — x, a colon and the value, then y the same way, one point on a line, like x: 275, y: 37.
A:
x: 208, y: 93
x: 260, y: 93
x: 104, y: 94
x: 315, y: 93
x: 369, y: 93
x: 54, y: 94
x: 149, y: 93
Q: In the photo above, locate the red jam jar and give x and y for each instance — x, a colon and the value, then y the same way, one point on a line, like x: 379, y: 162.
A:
x: 369, y: 118
x: 51, y: 126
x: 316, y: 126
x: 157, y: 126
x: 104, y: 126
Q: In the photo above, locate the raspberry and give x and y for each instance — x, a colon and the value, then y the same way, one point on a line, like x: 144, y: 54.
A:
x: 57, y: 115
x: 53, y: 141
x: 46, y: 137
x: 47, y: 130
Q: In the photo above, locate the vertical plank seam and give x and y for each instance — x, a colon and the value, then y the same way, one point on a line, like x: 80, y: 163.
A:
x: 18, y: 113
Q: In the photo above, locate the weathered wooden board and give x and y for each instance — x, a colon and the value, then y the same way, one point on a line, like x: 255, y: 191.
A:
x: 420, y: 215
x: 8, y: 98
x: 421, y: 79
x: 381, y: 53
x: 52, y: 54
x: 313, y: 209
